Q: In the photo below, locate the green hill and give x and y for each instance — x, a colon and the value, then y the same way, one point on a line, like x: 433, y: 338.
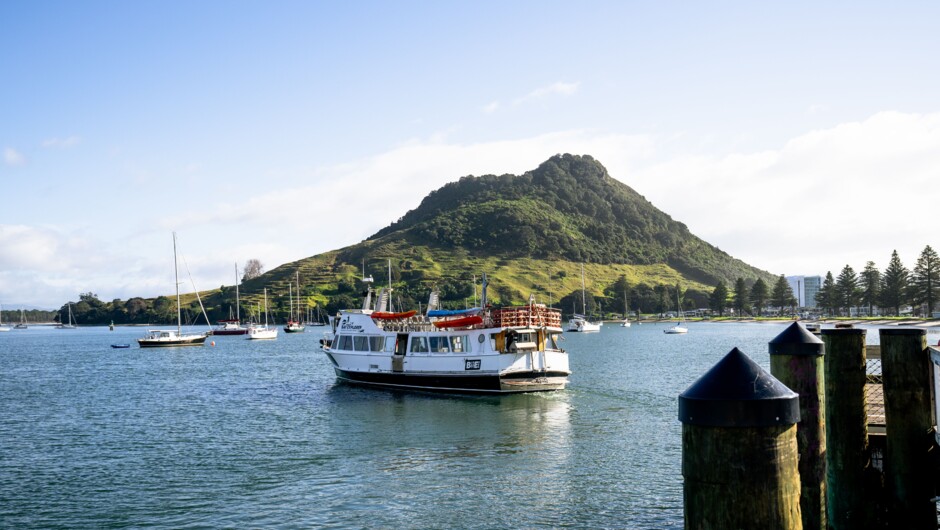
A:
x: 530, y: 233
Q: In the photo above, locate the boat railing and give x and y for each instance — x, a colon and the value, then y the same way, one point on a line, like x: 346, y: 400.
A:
x: 528, y: 315
x: 522, y: 316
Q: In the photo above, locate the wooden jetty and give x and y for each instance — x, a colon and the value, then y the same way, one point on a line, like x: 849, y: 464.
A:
x: 866, y: 433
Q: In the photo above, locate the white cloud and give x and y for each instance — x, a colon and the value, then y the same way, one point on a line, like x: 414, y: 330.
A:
x: 827, y: 198
x: 12, y: 157
x: 843, y: 195
x: 491, y: 107
x: 62, y: 143
x: 555, y: 89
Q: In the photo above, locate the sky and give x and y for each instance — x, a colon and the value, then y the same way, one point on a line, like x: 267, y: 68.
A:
x: 799, y: 137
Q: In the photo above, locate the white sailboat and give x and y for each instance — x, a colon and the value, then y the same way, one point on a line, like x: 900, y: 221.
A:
x: 23, y: 323
x: 263, y: 332
x: 232, y: 326
x: 70, y: 325
x: 580, y: 323
x: 678, y: 329
x: 158, y: 338
x: 294, y: 324
x: 626, y: 312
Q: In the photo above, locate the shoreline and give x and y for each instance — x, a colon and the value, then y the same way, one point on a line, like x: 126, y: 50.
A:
x: 912, y: 322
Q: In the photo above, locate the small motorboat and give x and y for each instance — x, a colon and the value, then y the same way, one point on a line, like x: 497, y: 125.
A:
x: 120, y: 345
x: 385, y: 315
x: 462, y: 322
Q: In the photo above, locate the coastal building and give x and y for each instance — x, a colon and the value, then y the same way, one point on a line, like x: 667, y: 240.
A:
x: 805, y: 289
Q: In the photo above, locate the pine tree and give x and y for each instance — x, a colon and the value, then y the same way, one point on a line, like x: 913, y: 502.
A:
x: 847, y: 291
x: 926, y: 279
x: 759, y: 295
x: 782, y: 294
x: 719, y: 298
x: 870, y: 283
x: 742, y: 303
x: 894, y: 284
x: 826, y: 297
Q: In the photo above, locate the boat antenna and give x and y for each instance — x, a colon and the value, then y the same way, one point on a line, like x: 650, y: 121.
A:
x: 484, y: 283
x: 474, y: 290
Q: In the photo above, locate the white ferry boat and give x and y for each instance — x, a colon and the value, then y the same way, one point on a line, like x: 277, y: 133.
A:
x: 495, y: 350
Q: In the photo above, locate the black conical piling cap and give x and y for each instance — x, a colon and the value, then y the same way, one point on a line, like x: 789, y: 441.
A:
x: 796, y: 340
x: 736, y: 392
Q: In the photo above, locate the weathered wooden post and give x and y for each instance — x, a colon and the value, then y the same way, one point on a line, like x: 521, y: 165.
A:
x: 796, y: 359
x: 739, y: 455
x: 846, y: 428
x: 905, y: 368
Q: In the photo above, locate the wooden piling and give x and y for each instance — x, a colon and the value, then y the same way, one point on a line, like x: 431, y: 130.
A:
x: 796, y: 359
x: 739, y: 450
x: 906, y: 367
x: 847, y: 456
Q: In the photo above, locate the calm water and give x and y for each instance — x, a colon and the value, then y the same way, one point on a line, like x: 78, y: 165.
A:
x: 260, y: 434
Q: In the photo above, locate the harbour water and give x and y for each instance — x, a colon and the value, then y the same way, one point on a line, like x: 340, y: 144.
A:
x: 260, y: 434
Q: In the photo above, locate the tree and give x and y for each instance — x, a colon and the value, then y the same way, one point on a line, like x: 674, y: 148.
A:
x: 253, y: 269
x: 870, y: 284
x: 759, y: 295
x: 619, y: 291
x: 926, y: 279
x: 826, y: 296
x: 894, y: 284
x: 719, y: 298
x: 742, y: 302
x: 782, y: 295
x: 847, y: 291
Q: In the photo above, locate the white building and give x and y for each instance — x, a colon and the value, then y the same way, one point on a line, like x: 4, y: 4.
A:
x: 805, y: 289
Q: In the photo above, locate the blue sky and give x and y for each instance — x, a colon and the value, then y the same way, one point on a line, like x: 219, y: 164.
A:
x: 797, y: 137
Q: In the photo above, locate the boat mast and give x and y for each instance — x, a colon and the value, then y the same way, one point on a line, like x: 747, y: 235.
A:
x: 176, y: 275
x: 266, y: 307
x: 237, y: 303
x: 583, y: 296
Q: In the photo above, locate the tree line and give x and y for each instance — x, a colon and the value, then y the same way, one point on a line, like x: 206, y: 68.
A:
x: 890, y: 290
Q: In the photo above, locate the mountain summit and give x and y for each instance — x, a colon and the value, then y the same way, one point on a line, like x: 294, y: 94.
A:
x: 567, y: 209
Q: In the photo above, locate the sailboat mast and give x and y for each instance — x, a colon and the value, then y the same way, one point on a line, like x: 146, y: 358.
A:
x: 176, y: 275
x: 237, y: 303
x: 266, y: 306
x: 583, y: 296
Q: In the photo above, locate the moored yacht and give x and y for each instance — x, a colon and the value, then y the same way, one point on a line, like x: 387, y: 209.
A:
x: 159, y: 338
x: 485, y: 350
x: 579, y: 323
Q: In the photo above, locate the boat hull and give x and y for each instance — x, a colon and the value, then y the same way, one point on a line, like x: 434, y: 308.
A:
x: 460, y: 383
x: 230, y: 331
x: 156, y: 343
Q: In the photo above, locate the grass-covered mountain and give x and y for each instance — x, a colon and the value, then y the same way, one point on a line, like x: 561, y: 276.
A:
x: 530, y: 233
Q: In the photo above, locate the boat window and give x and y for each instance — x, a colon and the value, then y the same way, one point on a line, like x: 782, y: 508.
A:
x: 439, y: 344
x: 419, y: 344
x: 376, y: 343
x: 362, y: 343
x: 345, y: 342
x: 459, y: 343
x: 390, y: 344
x: 493, y: 342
